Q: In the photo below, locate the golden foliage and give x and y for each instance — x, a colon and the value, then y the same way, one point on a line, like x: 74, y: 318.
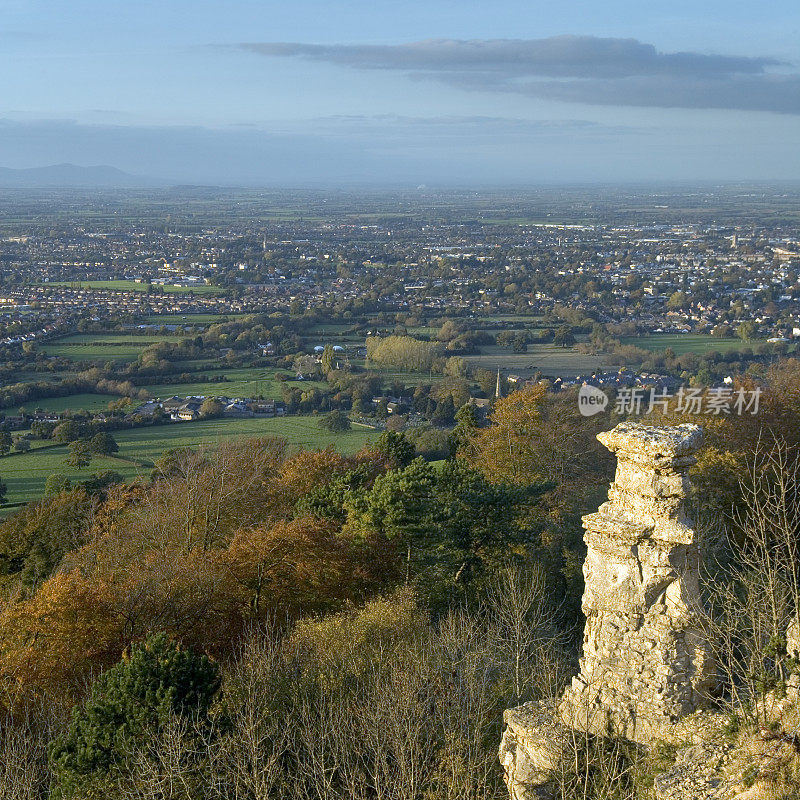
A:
x: 208, y: 549
x: 356, y: 638
x: 305, y: 471
x: 293, y: 566
x: 55, y: 640
x: 731, y: 440
x: 503, y: 451
x: 534, y: 438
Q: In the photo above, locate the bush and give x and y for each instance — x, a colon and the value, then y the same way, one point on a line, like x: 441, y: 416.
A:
x: 358, y: 640
x: 127, y: 707
x: 336, y: 422
x: 101, y: 481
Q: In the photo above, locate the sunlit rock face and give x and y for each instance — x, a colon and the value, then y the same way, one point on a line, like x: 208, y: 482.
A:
x: 645, y: 661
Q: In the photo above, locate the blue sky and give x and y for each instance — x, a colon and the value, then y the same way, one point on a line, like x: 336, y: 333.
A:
x: 499, y: 91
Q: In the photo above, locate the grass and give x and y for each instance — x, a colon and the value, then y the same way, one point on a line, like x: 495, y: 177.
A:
x: 101, y: 346
x: 188, y: 319
x: 114, y: 338
x: 521, y: 319
x: 328, y: 329
x: 26, y: 376
x: 390, y: 374
x: 546, y: 358
x: 25, y: 475
x: 71, y: 402
x: 422, y: 330
x: 244, y: 382
x: 688, y: 343
x: 88, y: 352
x: 132, y: 286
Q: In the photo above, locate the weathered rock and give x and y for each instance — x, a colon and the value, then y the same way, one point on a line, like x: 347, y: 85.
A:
x: 645, y: 661
x: 646, y: 665
x: 696, y: 775
x: 532, y: 750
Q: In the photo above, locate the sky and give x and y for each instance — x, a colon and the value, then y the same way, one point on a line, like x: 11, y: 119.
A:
x: 383, y: 92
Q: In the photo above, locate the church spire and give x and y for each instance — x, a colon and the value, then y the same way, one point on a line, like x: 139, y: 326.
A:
x: 498, y: 392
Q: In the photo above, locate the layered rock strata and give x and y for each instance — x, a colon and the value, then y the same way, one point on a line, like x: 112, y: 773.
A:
x: 646, y: 664
x: 646, y: 661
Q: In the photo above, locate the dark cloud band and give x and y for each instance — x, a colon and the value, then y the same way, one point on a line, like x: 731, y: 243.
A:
x: 580, y: 69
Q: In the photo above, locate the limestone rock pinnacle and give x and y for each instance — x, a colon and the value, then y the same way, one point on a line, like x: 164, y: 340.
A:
x: 645, y: 660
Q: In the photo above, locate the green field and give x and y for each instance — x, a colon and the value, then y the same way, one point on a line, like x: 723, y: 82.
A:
x: 423, y: 330
x: 515, y: 319
x: 114, y: 338
x: 26, y: 376
x: 71, y: 402
x: 101, y: 346
x: 244, y: 382
x: 25, y: 475
x: 188, y: 319
x: 390, y: 374
x: 132, y: 286
x: 688, y: 343
x: 87, y: 352
x: 548, y: 359
x: 328, y: 329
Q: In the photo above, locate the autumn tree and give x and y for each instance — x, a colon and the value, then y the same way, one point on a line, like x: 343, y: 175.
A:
x: 299, y: 565
x: 730, y: 439
x: 305, y: 471
x: 54, y: 640
x: 403, y: 352
x: 534, y: 438
x: 36, y: 538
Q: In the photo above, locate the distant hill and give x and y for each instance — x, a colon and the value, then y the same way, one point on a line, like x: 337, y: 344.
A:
x: 69, y: 175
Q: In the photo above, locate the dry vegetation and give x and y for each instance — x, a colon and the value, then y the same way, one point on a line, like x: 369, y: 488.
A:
x: 371, y: 616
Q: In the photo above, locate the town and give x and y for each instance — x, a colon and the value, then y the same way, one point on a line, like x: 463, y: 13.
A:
x: 125, y: 310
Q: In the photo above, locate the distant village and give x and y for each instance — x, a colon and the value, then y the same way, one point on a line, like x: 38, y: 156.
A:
x: 659, y: 277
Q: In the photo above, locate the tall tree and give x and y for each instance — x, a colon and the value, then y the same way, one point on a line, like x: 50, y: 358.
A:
x: 80, y: 454
x: 103, y: 444
x: 326, y: 360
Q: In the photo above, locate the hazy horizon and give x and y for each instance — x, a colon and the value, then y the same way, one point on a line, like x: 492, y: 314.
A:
x: 253, y: 93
